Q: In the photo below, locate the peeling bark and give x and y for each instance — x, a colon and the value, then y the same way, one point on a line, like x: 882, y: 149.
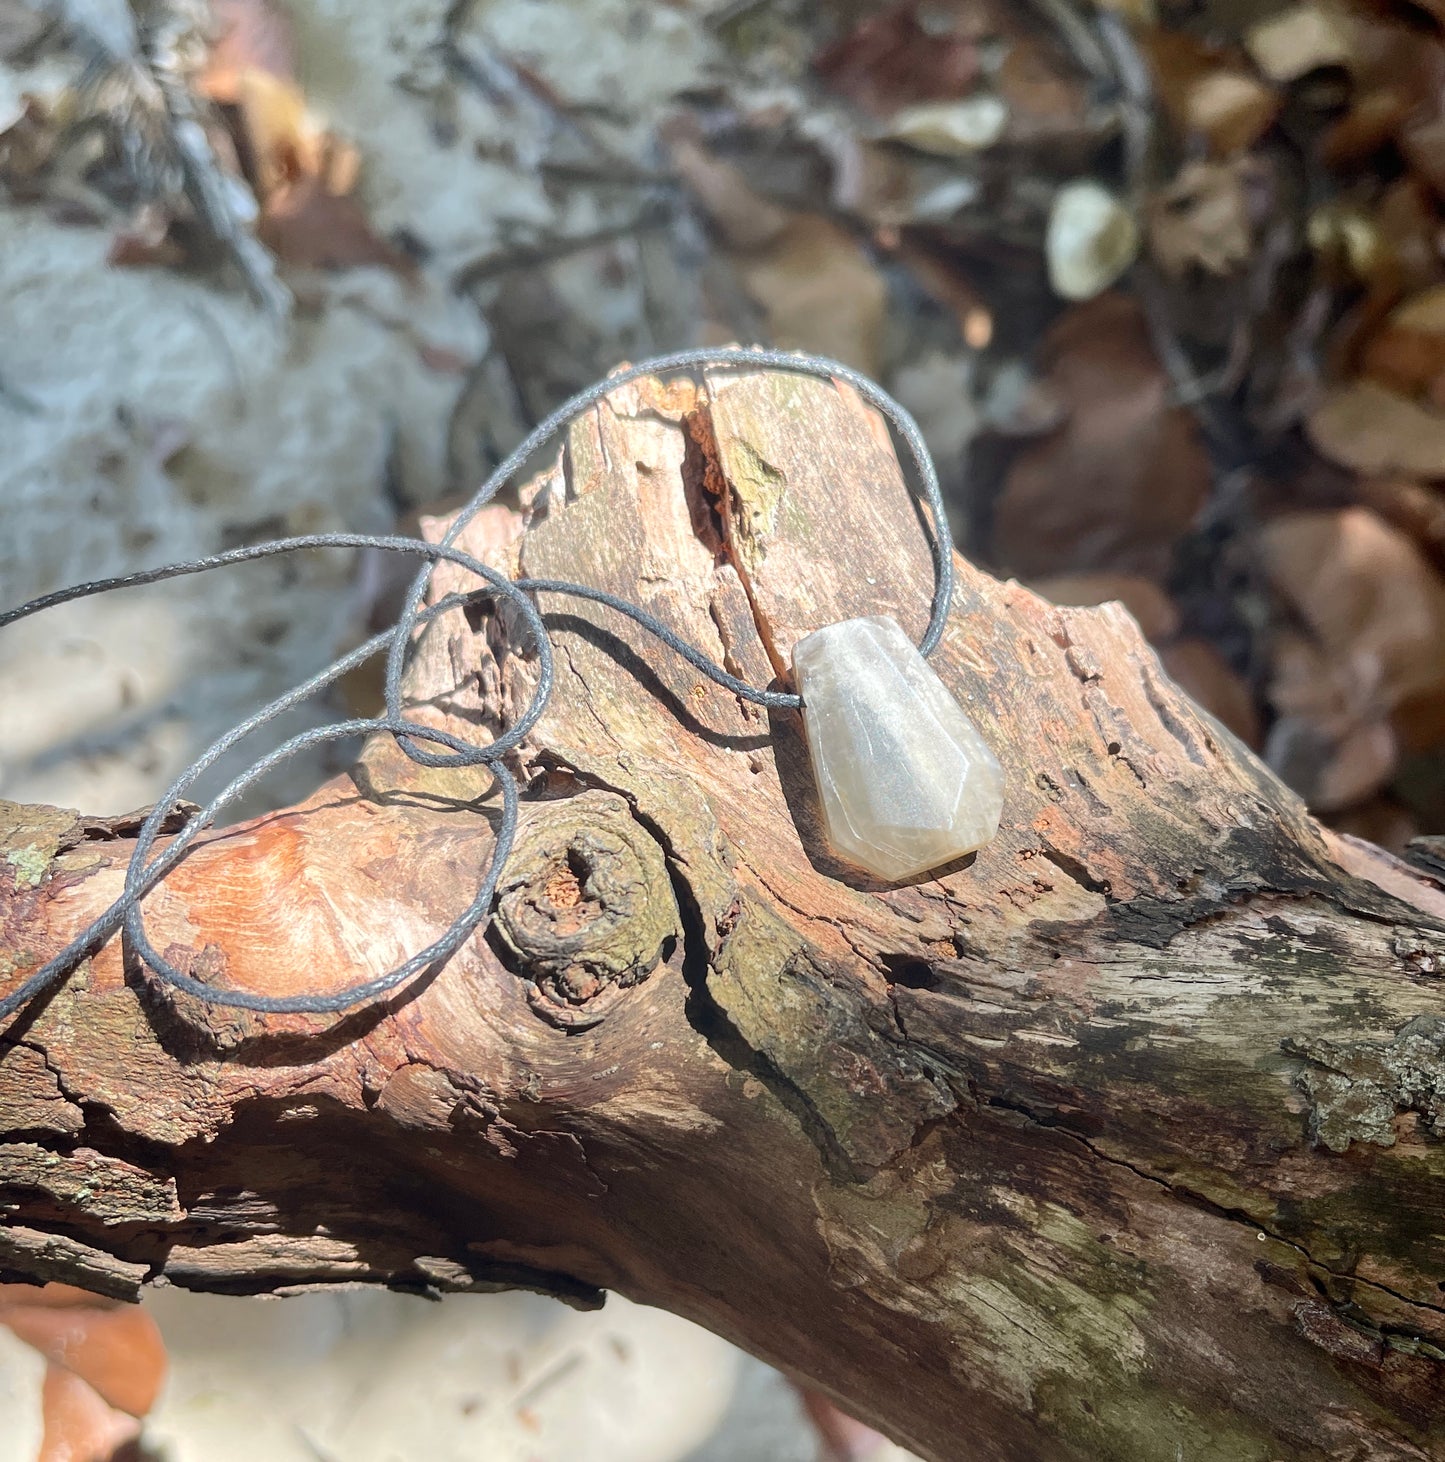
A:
x: 1120, y: 1140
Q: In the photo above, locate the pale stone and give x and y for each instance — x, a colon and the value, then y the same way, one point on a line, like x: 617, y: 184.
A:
x: 905, y: 780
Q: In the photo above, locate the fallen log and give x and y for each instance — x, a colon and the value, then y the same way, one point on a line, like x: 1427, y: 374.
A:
x: 1120, y: 1140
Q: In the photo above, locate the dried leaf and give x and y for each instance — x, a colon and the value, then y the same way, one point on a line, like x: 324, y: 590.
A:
x: 1298, y: 40
x: 116, y: 1350
x: 282, y: 142
x: 1208, y: 94
x: 1151, y: 607
x: 1415, y: 510
x: 1141, y: 12
x: 1369, y: 124
x: 146, y: 242
x: 1424, y: 312
x: 79, y: 1426
x: 306, y: 225
x: 29, y: 142
x: 1200, y: 670
x: 1407, y: 353
x: 1044, y: 95
x: 1331, y: 741
x: 819, y: 291
x: 1373, y: 602
x: 814, y: 282
x: 442, y: 359
x: 745, y: 219
x: 53, y: 1296
x: 251, y: 36
x: 1122, y: 478
x: 1359, y: 764
x: 302, y: 175
x: 1422, y: 140
x: 1375, y: 431
x: 910, y: 53
x: 1202, y: 220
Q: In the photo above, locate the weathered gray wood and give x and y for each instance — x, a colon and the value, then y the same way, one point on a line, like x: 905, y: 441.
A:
x: 1122, y: 1141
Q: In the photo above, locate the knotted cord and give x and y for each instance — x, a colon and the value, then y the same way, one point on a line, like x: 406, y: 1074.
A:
x: 145, y: 871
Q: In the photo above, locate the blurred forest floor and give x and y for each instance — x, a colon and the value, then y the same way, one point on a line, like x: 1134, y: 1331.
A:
x: 1163, y: 281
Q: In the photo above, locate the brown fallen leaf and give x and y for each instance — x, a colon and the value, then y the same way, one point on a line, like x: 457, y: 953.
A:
x: 743, y: 218
x: 1330, y: 739
x: 29, y: 143
x: 53, y: 1297
x: 1407, y: 352
x: 79, y: 1426
x: 841, y: 1437
x: 250, y: 36
x: 1201, y: 220
x: 1208, y: 93
x: 1043, y: 93
x: 442, y: 359
x: 115, y: 1349
x: 909, y: 53
x: 1360, y: 763
x: 1118, y: 482
x: 820, y: 292
x: 1373, y: 602
x: 1370, y: 123
x: 1200, y: 670
x: 1374, y: 430
x: 1422, y: 140
x: 1152, y: 608
x: 814, y: 281
x: 278, y: 140
x: 951, y: 129
x: 304, y: 176
x: 306, y: 224
x: 1419, y: 722
x: 1397, y: 74
x: 1408, y: 223
x: 145, y: 241
x: 1417, y: 511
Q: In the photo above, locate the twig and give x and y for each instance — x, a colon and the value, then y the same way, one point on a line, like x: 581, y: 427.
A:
x: 1074, y: 30
x: 211, y: 193
x: 136, y: 72
x: 656, y: 214
x: 1137, y: 118
x: 1136, y: 95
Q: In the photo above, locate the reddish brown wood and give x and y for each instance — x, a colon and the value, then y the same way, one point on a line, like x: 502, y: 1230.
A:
x: 1121, y: 1140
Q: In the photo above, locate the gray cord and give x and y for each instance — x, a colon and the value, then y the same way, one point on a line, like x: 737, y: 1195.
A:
x: 145, y: 871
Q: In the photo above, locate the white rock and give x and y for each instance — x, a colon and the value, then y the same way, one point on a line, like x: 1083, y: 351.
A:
x: 1091, y: 240
x: 905, y: 780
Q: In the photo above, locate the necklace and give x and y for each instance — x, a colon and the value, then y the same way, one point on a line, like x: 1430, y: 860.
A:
x: 905, y: 781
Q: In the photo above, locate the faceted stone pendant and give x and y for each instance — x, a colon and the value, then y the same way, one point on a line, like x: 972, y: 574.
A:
x: 905, y: 779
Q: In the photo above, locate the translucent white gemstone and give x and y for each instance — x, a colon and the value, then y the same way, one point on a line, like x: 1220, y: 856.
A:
x: 905, y: 780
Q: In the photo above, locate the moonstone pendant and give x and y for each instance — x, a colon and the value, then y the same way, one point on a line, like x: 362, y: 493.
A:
x: 906, y: 782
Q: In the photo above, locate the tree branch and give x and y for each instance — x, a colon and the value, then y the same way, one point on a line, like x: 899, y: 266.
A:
x: 1122, y: 1140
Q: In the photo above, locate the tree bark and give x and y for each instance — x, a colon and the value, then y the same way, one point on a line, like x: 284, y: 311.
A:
x: 1121, y: 1140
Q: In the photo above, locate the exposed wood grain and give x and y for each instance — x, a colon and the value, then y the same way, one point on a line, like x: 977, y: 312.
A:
x: 1120, y: 1140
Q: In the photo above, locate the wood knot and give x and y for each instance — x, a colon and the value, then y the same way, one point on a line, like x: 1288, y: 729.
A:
x: 585, y: 907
